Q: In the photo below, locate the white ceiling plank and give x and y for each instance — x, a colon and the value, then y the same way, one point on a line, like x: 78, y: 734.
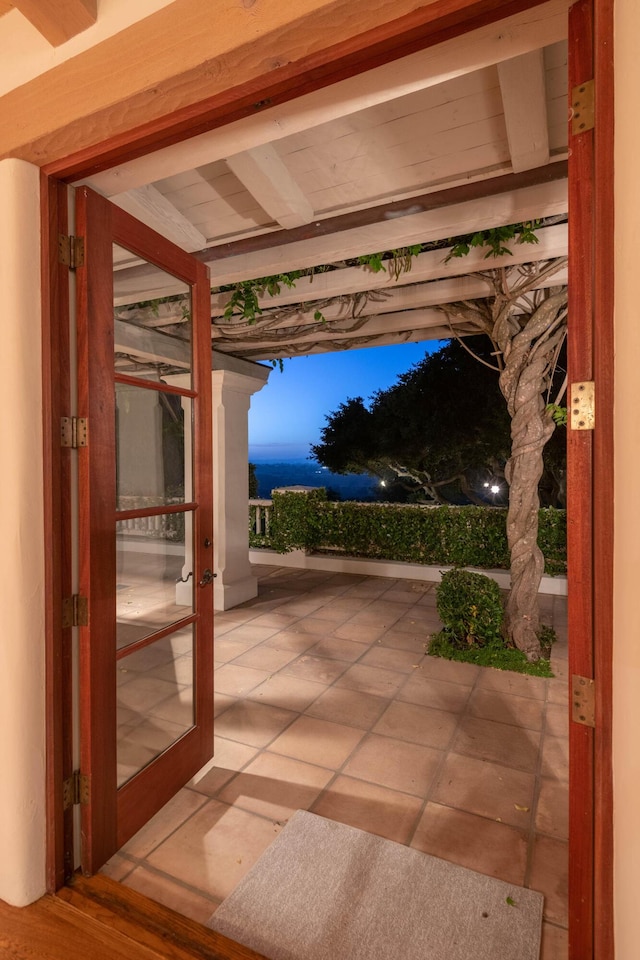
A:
x: 151, y: 345
x: 529, y: 203
x: 335, y: 345
x: 263, y: 173
x: 152, y: 208
x: 552, y: 242
x: 522, y: 83
x: 529, y: 30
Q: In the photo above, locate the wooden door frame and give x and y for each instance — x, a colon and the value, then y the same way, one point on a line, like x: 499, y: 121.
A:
x: 590, y: 519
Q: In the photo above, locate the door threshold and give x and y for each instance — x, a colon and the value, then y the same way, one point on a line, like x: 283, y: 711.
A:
x: 157, y: 930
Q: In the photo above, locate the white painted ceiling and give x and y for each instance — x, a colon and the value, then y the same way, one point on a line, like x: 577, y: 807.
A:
x: 375, y: 162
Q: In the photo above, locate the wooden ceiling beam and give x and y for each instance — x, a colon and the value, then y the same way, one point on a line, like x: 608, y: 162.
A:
x: 429, y: 266
x: 59, y: 20
x: 152, y: 208
x: 263, y: 173
x: 530, y: 203
x: 524, y: 98
x: 520, y: 33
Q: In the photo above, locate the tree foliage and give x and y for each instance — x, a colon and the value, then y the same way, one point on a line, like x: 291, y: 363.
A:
x: 442, y: 430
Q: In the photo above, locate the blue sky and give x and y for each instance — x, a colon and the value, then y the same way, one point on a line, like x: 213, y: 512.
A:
x: 286, y: 416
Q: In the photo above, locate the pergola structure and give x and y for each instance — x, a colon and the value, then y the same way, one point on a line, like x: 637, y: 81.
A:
x: 411, y: 152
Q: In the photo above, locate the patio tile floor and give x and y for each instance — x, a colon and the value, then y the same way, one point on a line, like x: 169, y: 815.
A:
x: 326, y: 701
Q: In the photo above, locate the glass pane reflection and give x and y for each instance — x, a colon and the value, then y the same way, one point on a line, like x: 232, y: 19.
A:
x: 153, y: 589
x: 153, y: 453
x: 154, y: 701
x: 152, y: 320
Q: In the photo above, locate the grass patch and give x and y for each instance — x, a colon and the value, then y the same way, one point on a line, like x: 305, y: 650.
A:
x: 494, y: 654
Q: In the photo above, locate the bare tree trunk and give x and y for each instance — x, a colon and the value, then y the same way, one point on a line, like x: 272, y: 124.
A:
x: 531, y: 427
x: 526, y: 348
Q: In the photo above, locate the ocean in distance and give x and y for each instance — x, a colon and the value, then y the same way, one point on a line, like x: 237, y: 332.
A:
x: 289, y: 473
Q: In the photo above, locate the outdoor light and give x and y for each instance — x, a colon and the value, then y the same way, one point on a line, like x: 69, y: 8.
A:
x: 494, y: 488
x: 383, y: 483
x: 486, y: 484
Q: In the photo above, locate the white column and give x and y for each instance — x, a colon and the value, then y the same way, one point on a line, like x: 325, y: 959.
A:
x: 22, y: 646
x: 233, y: 383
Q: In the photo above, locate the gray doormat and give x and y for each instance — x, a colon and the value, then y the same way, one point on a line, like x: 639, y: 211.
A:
x: 325, y: 891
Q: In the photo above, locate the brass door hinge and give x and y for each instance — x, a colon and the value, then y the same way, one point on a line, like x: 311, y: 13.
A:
x: 583, y: 107
x: 582, y: 409
x: 75, y: 790
x: 75, y: 611
x: 71, y: 251
x: 583, y: 701
x: 74, y: 432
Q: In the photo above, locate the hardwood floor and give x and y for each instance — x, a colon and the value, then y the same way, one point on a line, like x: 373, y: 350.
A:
x: 104, y: 920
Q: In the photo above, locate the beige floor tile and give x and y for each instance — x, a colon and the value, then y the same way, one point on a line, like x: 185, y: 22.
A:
x: 117, y: 867
x: 215, y: 848
x: 317, y: 669
x: 140, y: 692
x: 418, y: 623
x: 275, y: 787
x: 336, y: 648
x: 230, y: 755
x: 296, y: 643
x: 266, y: 658
x: 169, y: 818
x: 558, y: 691
x: 407, y: 767
x: 439, y: 694
x: 499, y: 742
x: 555, y: 758
x: 370, y: 588
x: 487, y: 789
x: 549, y: 875
x: 278, y: 620
x: 370, y: 807
x: 317, y: 741
x: 552, y: 811
x: 495, y: 849
x: 225, y: 649
x: 359, y: 632
x: 506, y: 708
x: 555, y: 943
x: 414, y: 643
x: 516, y: 683
x: 337, y: 611
x: 380, y: 612
x: 557, y: 720
x: 417, y: 724
x: 308, y: 625
x: 164, y: 890
x: 238, y: 681
x: 435, y: 668
x: 221, y: 701
x: 404, y: 661
x: 373, y: 680
x: 291, y: 693
x: 348, y: 706
x: 251, y: 633
x: 253, y: 723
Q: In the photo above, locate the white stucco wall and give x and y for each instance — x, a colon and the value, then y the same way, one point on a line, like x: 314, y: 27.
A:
x: 22, y: 674
x: 626, y: 680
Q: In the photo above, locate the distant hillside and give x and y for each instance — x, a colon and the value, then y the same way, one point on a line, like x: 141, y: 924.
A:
x: 289, y: 473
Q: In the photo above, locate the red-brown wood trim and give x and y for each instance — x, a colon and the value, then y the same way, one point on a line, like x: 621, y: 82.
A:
x: 97, y: 497
x: 57, y: 532
x: 579, y: 497
x: 429, y: 25
x: 153, y: 385
x: 603, y: 455
x: 123, y: 652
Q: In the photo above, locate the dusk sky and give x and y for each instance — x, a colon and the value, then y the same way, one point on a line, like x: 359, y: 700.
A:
x: 286, y: 416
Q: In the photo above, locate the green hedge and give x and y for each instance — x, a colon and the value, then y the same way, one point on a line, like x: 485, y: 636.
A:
x: 452, y: 536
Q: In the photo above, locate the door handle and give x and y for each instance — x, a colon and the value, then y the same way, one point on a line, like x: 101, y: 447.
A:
x: 207, y: 577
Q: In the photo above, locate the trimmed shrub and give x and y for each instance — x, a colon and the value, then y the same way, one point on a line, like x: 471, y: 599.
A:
x: 470, y: 607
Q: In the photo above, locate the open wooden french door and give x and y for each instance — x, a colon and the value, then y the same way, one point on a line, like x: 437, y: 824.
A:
x: 145, y: 525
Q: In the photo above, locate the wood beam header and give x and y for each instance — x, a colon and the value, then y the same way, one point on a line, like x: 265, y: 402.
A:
x: 59, y: 20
